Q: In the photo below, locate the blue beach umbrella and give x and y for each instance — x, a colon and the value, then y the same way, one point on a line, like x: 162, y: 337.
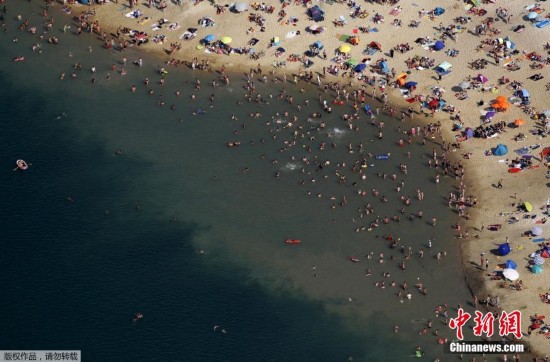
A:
x: 409, y: 85
x: 504, y: 249
x: 318, y: 45
x: 360, y: 67
x: 439, y: 45
x: 490, y: 114
x: 439, y: 11
x: 536, y: 269
x: 510, y: 264
x: 209, y: 38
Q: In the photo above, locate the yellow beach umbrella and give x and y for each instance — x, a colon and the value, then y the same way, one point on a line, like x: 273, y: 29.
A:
x: 226, y: 40
x: 528, y: 206
x: 344, y: 48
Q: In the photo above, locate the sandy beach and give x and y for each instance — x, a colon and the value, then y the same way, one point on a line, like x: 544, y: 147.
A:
x: 470, y: 84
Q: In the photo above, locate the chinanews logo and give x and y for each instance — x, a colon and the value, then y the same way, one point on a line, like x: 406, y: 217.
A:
x: 509, y: 323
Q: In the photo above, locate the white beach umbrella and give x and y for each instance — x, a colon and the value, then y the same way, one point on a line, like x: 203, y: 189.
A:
x: 536, y: 231
x: 510, y: 274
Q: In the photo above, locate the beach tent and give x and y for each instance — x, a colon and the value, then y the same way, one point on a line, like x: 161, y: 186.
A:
x: 344, y: 48
x: 536, y: 231
x: 483, y: 79
x: 536, y: 269
x: 444, y: 68
x: 519, y: 122
x: 206, y: 21
x: 410, y: 85
x: 504, y: 249
x: 240, y: 7
x: 360, y: 67
x: 510, y: 264
x: 439, y: 11
x: 375, y: 45
x: 316, y: 13
x: 545, y: 254
x: 438, y: 45
x: 469, y: 133
x: 524, y: 93
x: 500, y: 150
x: 400, y: 79
x: 510, y: 274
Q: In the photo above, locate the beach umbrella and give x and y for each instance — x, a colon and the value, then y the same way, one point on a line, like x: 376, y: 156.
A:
x: 439, y: 45
x: 281, y: 49
x: 434, y: 103
x: 519, y: 122
x: 401, y: 76
x: 352, y: 62
x: 226, y: 40
x: 464, y: 85
x: 318, y: 44
x: 483, y: 79
x: 409, y: 85
x: 510, y: 274
x: 510, y: 264
x: 500, y: 150
x: 524, y: 93
x: 538, y: 260
x: 474, y: 2
x: 532, y: 15
x: 344, y: 48
x: 504, y: 249
x: 536, y: 230
x: 500, y: 99
x: 209, y: 38
x: 490, y: 114
x: 546, y: 113
x: 375, y: 45
x: 501, y: 106
x: 240, y: 7
x: 360, y: 67
x: 528, y: 207
x: 536, y: 269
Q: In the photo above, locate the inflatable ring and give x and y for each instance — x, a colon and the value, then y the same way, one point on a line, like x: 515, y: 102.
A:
x: 442, y: 340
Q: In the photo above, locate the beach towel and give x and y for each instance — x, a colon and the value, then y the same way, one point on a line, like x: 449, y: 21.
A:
x: 395, y: 11
x: 134, y: 14
x: 144, y: 20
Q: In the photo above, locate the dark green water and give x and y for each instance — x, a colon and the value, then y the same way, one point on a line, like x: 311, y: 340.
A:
x: 74, y: 273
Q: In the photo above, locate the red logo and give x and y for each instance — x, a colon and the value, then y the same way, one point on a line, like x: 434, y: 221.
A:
x: 508, y: 323
x: 459, y: 322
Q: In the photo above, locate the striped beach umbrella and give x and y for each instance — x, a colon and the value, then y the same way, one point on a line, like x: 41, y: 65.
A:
x: 538, y: 260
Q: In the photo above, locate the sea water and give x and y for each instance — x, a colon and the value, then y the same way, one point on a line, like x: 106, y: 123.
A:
x: 132, y: 207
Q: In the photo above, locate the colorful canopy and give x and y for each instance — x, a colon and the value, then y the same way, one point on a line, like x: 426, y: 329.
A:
x: 510, y: 264
x: 504, y: 249
x: 519, y: 122
x: 500, y: 150
x: 226, y: 40
x: 375, y: 45
x: 510, y: 274
x: 344, y: 48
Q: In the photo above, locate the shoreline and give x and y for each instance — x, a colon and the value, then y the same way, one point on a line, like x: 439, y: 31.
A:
x: 478, y: 171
